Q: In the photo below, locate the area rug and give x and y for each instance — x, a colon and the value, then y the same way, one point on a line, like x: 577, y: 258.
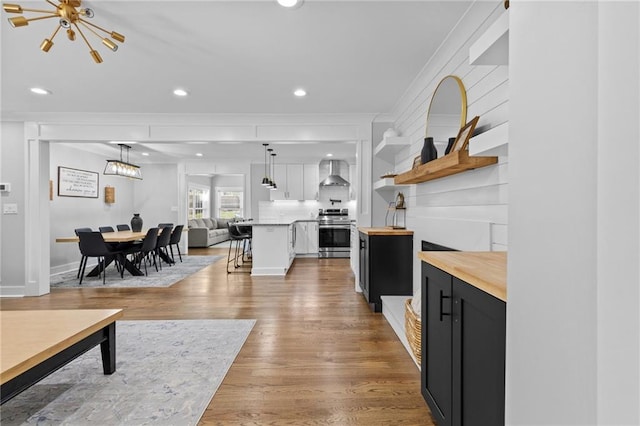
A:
x: 163, y: 278
x: 166, y: 374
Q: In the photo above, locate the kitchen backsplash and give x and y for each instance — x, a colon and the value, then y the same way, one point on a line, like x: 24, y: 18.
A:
x: 298, y: 210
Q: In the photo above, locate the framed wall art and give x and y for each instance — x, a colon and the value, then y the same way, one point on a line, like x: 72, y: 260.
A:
x: 464, y: 135
x: 77, y: 183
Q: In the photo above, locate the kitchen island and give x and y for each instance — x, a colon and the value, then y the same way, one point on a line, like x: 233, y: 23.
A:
x: 272, y: 247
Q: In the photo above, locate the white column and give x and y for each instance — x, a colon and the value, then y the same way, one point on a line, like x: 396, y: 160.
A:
x: 551, y: 370
x: 618, y: 214
x: 36, y: 231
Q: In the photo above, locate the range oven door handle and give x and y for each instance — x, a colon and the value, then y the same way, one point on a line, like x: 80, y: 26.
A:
x: 334, y: 227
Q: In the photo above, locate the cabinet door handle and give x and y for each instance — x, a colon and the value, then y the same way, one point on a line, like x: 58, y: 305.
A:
x: 443, y: 314
x: 361, y: 244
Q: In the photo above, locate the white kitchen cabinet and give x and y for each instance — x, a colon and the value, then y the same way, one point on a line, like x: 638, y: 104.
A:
x: 306, y: 237
x: 289, y: 180
x: 311, y: 182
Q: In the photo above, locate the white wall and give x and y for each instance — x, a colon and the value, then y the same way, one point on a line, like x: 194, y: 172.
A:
x: 69, y: 213
x: 157, y: 198
x: 573, y: 325
x: 12, y: 243
x: 467, y: 211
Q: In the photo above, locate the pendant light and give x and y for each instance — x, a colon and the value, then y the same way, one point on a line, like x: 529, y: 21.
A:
x: 121, y: 167
x: 270, y: 184
x: 273, y: 181
x: 265, y: 179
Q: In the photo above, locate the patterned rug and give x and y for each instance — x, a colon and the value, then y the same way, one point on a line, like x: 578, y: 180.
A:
x: 166, y: 374
x: 163, y: 278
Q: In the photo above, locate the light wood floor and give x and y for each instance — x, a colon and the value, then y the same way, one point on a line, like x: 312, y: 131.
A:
x: 317, y: 354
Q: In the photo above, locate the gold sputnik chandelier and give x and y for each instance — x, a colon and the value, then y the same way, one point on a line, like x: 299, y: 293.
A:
x: 70, y: 16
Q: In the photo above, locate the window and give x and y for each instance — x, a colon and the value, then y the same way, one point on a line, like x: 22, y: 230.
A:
x: 229, y: 202
x: 198, y: 202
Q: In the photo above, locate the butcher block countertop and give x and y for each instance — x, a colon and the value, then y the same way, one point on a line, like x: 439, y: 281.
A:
x: 485, y: 270
x: 385, y: 231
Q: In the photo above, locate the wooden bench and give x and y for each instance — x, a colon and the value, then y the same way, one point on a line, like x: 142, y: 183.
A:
x: 34, y: 344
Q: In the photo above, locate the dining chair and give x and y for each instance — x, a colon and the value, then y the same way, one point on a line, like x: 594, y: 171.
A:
x: 106, y: 229
x: 176, y: 235
x: 92, y: 244
x: 146, y: 250
x: 123, y: 227
x: 77, y: 231
x: 161, y: 246
x: 165, y: 225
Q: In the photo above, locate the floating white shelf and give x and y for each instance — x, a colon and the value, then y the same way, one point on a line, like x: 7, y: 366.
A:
x: 492, y: 47
x: 389, y: 147
x: 385, y: 183
x: 493, y: 142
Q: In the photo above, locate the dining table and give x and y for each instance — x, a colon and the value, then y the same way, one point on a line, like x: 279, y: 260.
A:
x: 121, y: 237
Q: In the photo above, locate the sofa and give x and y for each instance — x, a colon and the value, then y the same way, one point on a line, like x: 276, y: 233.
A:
x: 205, y: 232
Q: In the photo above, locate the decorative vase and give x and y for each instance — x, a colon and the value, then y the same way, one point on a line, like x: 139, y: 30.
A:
x: 136, y: 223
x: 429, y: 151
x: 389, y: 133
x: 450, y: 145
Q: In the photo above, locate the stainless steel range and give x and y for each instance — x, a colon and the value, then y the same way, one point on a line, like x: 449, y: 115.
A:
x: 334, y: 233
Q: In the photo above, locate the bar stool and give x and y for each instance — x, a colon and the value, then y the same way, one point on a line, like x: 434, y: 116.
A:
x: 240, y: 239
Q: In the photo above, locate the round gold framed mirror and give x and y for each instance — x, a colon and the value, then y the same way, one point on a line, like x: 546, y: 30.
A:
x: 447, y: 112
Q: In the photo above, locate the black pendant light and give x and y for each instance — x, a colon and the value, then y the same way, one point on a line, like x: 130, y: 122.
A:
x: 265, y: 179
x: 273, y: 178
x: 270, y: 184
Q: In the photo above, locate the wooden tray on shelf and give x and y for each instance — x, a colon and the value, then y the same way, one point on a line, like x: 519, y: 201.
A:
x: 450, y: 164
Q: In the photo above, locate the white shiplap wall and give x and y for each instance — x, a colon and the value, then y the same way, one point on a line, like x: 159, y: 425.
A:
x: 467, y: 211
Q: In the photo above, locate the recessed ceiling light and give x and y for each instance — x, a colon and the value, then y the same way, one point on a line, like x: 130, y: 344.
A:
x: 40, y: 91
x: 300, y: 93
x: 146, y: 154
x: 199, y: 154
x: 180, y: 92
x: 329, y: 155
x: 290, y: 3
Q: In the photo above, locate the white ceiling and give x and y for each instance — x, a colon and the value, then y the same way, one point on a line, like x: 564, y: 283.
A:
x: 234, y: 57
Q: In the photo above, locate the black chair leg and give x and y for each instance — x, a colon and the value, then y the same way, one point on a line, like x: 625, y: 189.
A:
x: 82, y: 259
x: 229, y: 257
x: 82, y: 268
x: 179, y: 254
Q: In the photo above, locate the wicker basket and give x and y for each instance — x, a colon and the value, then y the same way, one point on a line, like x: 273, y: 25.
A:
x: 413, y: 329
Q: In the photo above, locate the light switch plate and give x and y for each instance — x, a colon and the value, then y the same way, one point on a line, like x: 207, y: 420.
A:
x: 10, y: 208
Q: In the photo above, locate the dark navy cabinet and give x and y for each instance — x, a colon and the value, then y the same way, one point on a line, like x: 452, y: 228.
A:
x: 385, y: 266
x: 463, y: 347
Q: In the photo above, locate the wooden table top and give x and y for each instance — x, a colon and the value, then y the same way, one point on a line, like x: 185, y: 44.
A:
x: 385, y: 231
x: 485, y: 270
x: 113, y: 237
x: 30, y: 337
